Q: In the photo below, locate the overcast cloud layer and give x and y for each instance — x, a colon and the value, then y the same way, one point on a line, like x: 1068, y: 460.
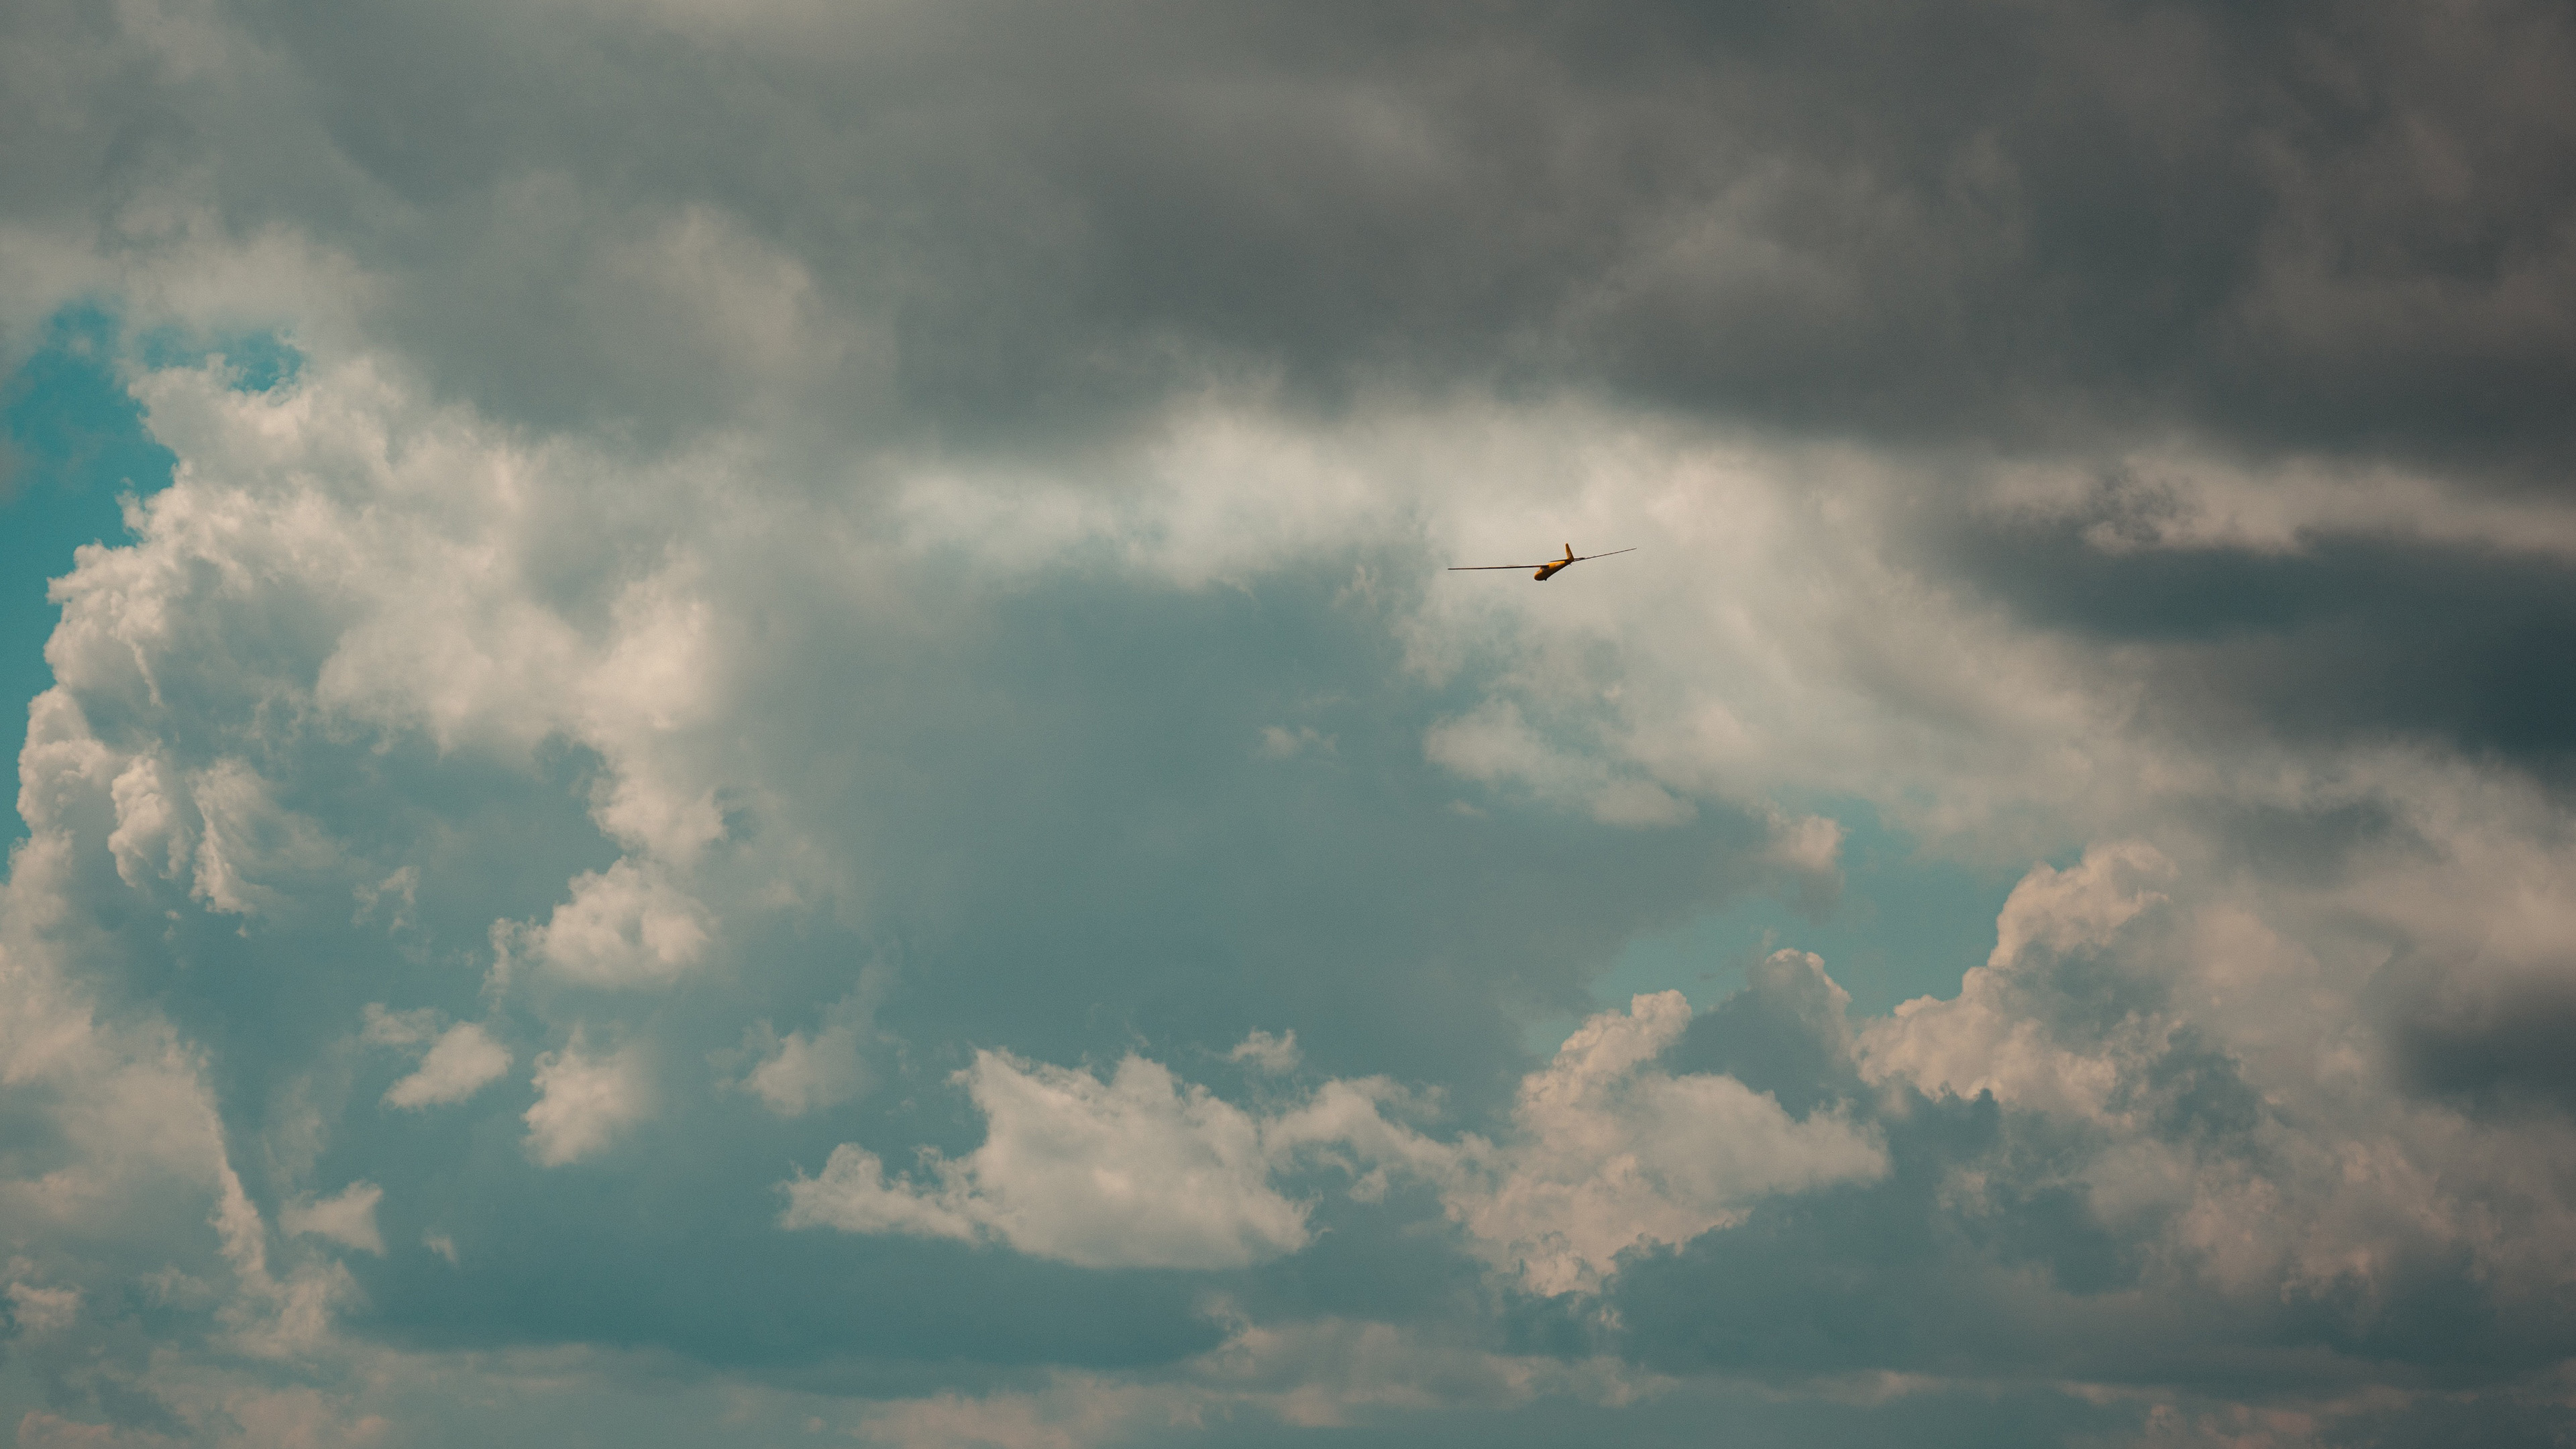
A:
x: 788, y: 761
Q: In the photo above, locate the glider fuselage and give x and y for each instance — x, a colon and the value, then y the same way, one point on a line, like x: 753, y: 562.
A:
x: 1547, y: 570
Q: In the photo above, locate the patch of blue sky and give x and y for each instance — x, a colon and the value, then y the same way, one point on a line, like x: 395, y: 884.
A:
x: 75, y: 445
x: 1908, y: 923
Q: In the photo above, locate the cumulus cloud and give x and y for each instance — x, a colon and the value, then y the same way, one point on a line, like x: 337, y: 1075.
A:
x: 2217, y: 1105
x: 219, y: 830
x: 1609, y: 1153
x: 825, y: 1067
x: 624, y: 926
x: 35, y: 1310
x: 1986, y: 1040
x: 347, y: 1218
x: 1140, y: 1170
x: 585, y: 1100
x: 1495, y: 745
x: 1605, y: 1153
x: 669, y: 789
x: 1267, y: 1052
x: 459, y: 1059
x: 460, y: 1063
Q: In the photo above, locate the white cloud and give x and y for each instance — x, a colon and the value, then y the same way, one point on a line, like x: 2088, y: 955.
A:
x: 1269, y: 1053
x: 348, y: 1218
x: 1494, y: 745
x: 828, y: 1065
x: 219, y: 828
x: 805, y: 1071
x: 142, y: 1147
x: 35, y: 1310
x: 1609, y: 1152
x: 247, y: 840
x: 2082, y: 908
x: 1137, y: 1171
x: 1808, y: 844
x: 627, y: 926
x: 150, y: 839
x: 460, y: 1063
x: 399, y: 1028
x: 139, y: 1187
x: 852, y: 1194
x: 585, y: 1101
x: 1989, y: 1037
x: 2241, y: 1118
x: 1281, y: 743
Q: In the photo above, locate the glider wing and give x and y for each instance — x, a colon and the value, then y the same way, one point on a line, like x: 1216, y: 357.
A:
x: 1541, y: 564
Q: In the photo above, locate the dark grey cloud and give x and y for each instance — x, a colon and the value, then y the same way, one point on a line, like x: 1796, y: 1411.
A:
x: 2487, y: 1039
x: 2322, y: 226
x: 2346, y: 640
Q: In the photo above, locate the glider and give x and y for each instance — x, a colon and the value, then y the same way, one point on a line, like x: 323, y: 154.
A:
x: 1547, y: 569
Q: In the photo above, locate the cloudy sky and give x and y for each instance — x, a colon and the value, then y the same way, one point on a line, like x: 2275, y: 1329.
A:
x: 741, y: 723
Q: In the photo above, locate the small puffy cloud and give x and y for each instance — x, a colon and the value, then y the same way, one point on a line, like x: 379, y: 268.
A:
x: 1281, y: 743
x: 628, y: 925
x: 805, y: 1070
x: 1266, y: 1052
x: 585, y: 1100
x: 461, y: 1062
x: 852, y: 1194
x: 34, y: 1310
x: 349, y: 1218
x: 399, y: 1028
x: 822, y: 1067
x: 1139, y: 1171
x: 1809, y: 844
x: 397, y: 897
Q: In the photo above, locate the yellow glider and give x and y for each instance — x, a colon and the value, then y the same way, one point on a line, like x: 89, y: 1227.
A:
x: 1546, y: 570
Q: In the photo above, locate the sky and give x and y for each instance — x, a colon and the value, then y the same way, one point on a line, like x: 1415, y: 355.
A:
x: 743, y: 723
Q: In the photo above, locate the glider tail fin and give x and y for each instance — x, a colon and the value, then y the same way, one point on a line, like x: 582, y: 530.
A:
x: 1569, y: 553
